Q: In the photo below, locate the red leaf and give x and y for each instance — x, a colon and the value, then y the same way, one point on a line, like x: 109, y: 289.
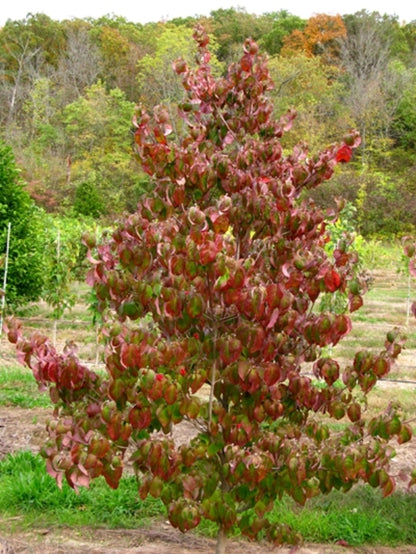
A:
x: 237, y: 278
x: 112, y: 476
x: 140, y: 418
x: 207, y: 253
x: 355, y: 302
x: 273, y: 319
x: 332, y: 280
x: 344, y: 154
x: 388, y: 487
x: 178, y: 196
x: 229, y: 349
x: 114, y: 428
x: 381, y: 367
x: 177, y: 265
x: 99, y: 447
x: 246, y: 62
x: 130, y: 355
x: 313, y: 290
x: 256, y: 339
x: 405, y: 434
x: 220, y: 222
x: 271, y: 374
x: 116, y: 389
x: 243, y: 369
x: 274, y: 294
x: 343, y: 324
x: 196, y: 306
x: 354, y: 412
x: 170, y: 394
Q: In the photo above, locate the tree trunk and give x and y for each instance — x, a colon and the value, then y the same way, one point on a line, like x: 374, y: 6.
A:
x: 408, y: 300
x: 54, y: 331
x: 220, y: 549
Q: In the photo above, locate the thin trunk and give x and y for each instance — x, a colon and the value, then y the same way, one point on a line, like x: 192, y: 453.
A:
x: 54, y: 331
x: 408, y: 302
x: 220, y: 549
x: 364, y: 146
x: 14, y: 95
x: 213, y: 373
x: 97, y: 344
x: 68, y: 169
x: 6, y: 267
x: 22, y: 60
x: 58, y: 255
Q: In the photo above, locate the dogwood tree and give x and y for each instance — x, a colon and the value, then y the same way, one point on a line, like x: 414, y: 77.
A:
x: 207, y: 293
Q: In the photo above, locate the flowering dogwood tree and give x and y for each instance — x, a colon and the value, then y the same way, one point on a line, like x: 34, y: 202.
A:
x: 207, y: 293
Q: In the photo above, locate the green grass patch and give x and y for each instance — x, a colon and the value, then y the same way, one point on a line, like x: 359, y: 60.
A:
x: 360, y: 516
x: 18, y: 387
x: 27, y: 490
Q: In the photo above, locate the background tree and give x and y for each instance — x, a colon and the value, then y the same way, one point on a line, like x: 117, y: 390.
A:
x: 27, y: 48
x: 226, y: 258
x: 231, y: 26
x: 320, y: 36
x: 365, y: 56
x: 64, y: 255
x: 283, y: 25
x: 47, y: 65
x: 80, y: 64
x: 403, y: 127
x: 405, y: 41
x: 19, y: 62
x: 122, y: 44
x: 157, y: 83
x: 312, y: 88
x: 26, y: 257
x: 99, y: 141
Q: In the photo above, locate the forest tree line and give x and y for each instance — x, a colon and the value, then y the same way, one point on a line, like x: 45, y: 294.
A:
x: 68, y: 91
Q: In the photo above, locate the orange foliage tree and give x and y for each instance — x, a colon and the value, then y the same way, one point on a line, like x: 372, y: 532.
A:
x: 320, y: 37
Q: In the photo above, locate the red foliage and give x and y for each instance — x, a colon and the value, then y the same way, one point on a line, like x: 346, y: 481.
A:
x: 344, y: 154
x: 226, y: 258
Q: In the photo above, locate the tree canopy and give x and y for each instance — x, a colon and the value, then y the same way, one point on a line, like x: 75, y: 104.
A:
x: 208, y: 295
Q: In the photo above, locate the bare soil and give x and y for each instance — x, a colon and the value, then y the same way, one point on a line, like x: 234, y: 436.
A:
x: 160, y: 539
x: 22, y: 429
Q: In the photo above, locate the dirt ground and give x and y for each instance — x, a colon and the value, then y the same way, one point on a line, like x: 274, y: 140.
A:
x: 157, y: 540
x: 25, y: 429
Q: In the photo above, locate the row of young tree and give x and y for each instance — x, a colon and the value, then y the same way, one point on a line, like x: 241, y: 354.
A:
x: 68, y: 91
x: 41, y: 254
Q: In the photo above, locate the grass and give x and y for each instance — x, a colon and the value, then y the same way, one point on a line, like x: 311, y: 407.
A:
x: 359, y: 517
x: 27, y: 490
x: 18, y: 388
